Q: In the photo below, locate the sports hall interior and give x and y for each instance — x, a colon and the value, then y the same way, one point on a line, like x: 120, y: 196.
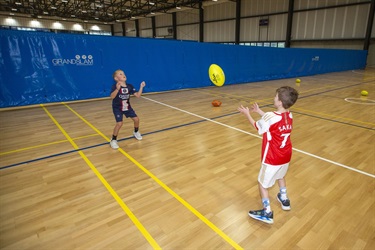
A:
x: 190, y: 182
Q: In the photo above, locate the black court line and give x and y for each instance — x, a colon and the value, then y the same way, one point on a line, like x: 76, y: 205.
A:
x: 105, y: 143
x: 199, y: 121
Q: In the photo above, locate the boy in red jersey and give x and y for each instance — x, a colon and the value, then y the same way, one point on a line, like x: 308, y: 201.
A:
x: 275, y: 127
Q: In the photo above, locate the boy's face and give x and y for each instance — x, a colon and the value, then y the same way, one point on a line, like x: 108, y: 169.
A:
x: 276, y: 102
x: 120, y: 76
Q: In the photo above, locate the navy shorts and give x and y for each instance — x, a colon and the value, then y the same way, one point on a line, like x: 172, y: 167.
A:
x: 119, y: 114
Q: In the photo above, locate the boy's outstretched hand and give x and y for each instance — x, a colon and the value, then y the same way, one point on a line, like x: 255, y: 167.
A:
x: 243, y: 110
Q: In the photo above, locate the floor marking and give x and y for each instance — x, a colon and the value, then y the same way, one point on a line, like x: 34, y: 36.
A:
x: 332, y: 116
x: 134, y: 219
x: 170, y: 191
x: 44, y: 145
x: 254, y: 135
x: 362, y: 101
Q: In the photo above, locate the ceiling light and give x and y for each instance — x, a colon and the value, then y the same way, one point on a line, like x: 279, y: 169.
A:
x: 14, y: 9
x: 152, y: 13
x: 128, y: 10
x: 151, y: 3
x: 53, y: 7
x: 178, y: 7
x: 18, y: 3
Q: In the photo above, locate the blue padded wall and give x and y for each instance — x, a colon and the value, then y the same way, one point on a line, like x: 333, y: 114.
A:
x: 37, y: 67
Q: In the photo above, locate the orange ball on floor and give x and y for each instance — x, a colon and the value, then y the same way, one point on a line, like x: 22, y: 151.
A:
x: 216, y: 103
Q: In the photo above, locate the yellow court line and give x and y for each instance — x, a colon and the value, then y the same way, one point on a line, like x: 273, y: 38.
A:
x: 170, y: 191
x: 44, y: 145
x: 136, y: 222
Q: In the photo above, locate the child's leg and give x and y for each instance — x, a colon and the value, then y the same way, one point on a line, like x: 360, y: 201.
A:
x: 282, y: 185
x: 136, y: 123
x: 116, y: 130
x: 282, y: 197
x: 265, y: 198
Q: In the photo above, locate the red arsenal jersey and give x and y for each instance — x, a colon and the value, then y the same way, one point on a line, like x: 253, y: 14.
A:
x: 276, y: 129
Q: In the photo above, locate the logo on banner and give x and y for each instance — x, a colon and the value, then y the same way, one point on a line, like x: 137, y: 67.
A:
x: 79, y: 60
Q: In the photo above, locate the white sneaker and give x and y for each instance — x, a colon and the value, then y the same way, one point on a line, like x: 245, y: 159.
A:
x: 137, y: 135
x: 114, y: 144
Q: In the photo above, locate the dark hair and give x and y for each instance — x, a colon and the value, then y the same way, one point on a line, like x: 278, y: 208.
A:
x: 287, y: 95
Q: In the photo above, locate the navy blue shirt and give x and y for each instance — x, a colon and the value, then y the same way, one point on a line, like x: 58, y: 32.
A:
x: 122, y: 99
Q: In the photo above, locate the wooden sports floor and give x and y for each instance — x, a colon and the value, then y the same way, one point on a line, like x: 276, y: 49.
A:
x: 191, y: 181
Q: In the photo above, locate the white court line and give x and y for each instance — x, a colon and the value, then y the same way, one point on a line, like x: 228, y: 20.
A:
x: 254, y: 135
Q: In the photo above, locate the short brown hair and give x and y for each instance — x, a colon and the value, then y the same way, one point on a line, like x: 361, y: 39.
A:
x: 115, y: 73
x: 287, y: 95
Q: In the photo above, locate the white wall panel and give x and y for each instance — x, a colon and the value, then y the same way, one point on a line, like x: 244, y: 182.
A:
x: 219, y: 31
x: 249, y: 29
x: 334, y: 23
x: 220, y: 11
x: 146, y: 33
x: 277, y: 27
x: 308, y: 4
x: 188, y: 32
x: 190, y: 16
x: 163, y: 20
x: 262, y: 7
x: 130, y: 29
x: 145, y: 23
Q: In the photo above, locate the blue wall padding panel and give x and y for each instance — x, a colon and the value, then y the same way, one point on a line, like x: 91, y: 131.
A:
x: 37, y: 67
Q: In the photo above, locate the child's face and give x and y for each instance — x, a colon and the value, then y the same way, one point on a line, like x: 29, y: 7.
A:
x: 120, y: 76
x: 276, y: 102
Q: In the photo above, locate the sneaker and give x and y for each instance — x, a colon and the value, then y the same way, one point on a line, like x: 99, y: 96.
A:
x: 285, y: 204
x: 137, y: 135
x: 262, y: 215
x: 114, y: 144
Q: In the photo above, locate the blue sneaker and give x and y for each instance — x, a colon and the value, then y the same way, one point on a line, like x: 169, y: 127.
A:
x: 285, y: 204
x: 262, y: 215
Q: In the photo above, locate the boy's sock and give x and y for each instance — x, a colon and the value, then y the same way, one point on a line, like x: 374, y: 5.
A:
x: 114, y: 137
x: 266, y: 204
x: 136, y: 129
x: 283, y: 194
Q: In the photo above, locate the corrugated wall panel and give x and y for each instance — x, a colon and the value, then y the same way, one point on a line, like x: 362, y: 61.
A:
x: 163, y: 20
x: 190, y: 16
x: 219, y: 31
x: 277, y: 27
x: 262, y: 7
x: 220, y: 11
x: 188, y: 32
x: 250, y: 29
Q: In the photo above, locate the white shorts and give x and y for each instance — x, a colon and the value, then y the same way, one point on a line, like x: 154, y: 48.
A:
x: 268, y: 174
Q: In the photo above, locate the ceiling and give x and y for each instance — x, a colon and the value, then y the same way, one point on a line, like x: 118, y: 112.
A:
x: 95, y: 10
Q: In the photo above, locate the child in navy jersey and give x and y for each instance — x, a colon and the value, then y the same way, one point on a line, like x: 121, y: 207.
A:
x: 276, y: 128
x: 120, y: 95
